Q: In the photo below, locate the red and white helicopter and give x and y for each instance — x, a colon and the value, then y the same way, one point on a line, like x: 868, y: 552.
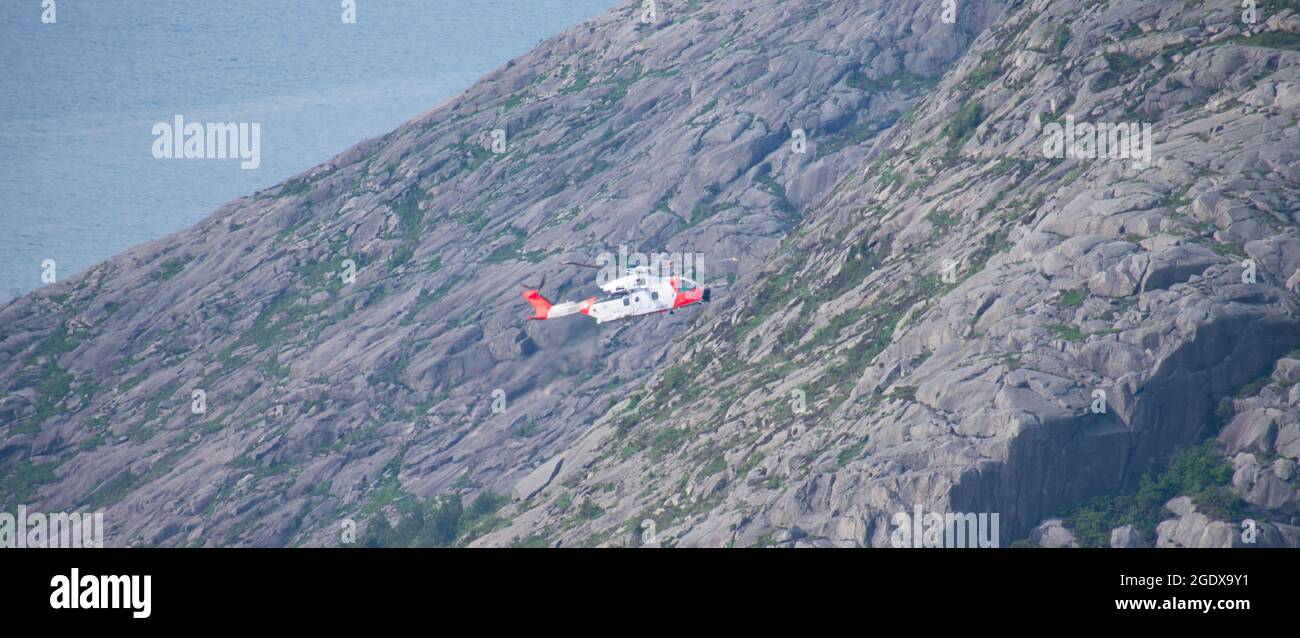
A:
x: 643, y: 290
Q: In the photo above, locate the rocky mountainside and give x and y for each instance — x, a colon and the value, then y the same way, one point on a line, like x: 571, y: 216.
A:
x: 328, y: 398
x: 1097, y: 319
x: 927, y: 310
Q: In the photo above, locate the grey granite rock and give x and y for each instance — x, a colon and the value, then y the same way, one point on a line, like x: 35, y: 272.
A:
x: 1126, y: 536
x: 1052, y: 534
x: 1099, y: 319
x: 538, y: 479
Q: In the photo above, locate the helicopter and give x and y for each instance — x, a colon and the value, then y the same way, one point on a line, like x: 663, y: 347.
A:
x: 642, y: 290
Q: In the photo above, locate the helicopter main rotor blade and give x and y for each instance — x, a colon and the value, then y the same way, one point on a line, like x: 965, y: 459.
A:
x: 538, y: 287
x: 580, y: 264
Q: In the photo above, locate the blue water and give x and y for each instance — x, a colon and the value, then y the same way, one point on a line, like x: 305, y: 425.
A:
x: 79, y: 98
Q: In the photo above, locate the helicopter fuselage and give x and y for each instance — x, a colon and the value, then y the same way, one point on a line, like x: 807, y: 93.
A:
x: 654, y: 294
x: 639, y: 295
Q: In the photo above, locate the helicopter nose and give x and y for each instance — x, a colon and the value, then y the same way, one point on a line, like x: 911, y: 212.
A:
x: 708, y: 294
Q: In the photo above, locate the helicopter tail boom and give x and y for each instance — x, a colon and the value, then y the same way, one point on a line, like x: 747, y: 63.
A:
x: 543, y: 309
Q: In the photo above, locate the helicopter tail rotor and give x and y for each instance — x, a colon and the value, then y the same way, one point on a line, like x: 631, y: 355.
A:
x: 538, y: 288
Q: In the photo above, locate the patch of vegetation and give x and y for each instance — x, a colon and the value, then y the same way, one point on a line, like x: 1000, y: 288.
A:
x: 878, y: 331
x: 422, y: 300
x: 59, y: 342
x: 1200, y: 472
x: 1252, y: 389
x: 268, y: 326
x: 169, y: 268
x: 932, y: 286
x: 676, y: 379
x: 621, y: 85
x: 850, y: 454
x: 1073, y: 298
x: 783, y: 202
x: 53, y: 388
x: 589, y: 511
x: 1060, y: 39
x: 409, y: 221
x: 994, y: 243
x: 1228, y: 249
x: 983, y: 75
x: 273, y: 369
x: 475, y: 221
x: 580, y: 82
x: 902, y: 80
x: 717, y: 463
x: 855, y: 134
x: 667, y: 440
x: 477, y: 154
x: 861, y: 261
x: 942, y: 220
x: 514, y: 101
x: 113, y: 491
x: 1273, y: 40
x: 594, y: 168
x: 964, y: 123
x: 326, y: 274
x: 296, y: 186
x: 562, y: 503
x: 434, y: 523
x: 21, y: 481
x: 1062, y: 331
x: 1119, y: 66
x: 831, y: 331
x: 536, y: 541
x: 707, y: 207
x: 509, y: 250
x: 91, y: 443
x: 907, y: 392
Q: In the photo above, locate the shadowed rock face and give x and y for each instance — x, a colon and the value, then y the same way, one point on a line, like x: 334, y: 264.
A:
x: 927, y: 309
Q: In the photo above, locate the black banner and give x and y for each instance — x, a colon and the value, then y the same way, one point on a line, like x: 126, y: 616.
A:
x: 229, y: 587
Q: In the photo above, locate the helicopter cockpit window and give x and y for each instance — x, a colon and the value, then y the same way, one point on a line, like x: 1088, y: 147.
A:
x: 686, y: 284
